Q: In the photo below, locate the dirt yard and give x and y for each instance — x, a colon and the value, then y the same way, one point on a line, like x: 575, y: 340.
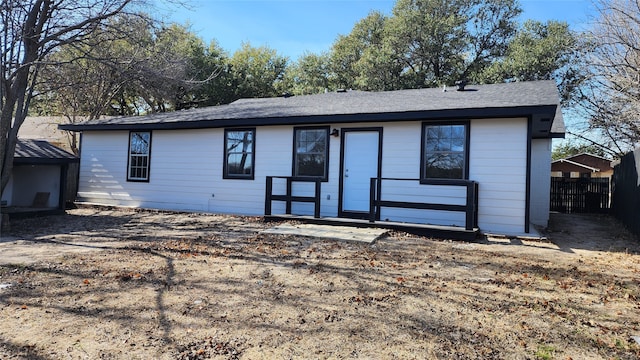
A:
x: 119, y: 284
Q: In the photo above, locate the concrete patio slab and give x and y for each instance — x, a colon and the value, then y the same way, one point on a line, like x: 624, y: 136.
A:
x: 344, y: 233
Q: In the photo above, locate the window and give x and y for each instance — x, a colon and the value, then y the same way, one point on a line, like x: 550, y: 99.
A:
x: 444, y: 151
x: 239, y: 146
x: 139, y: 155
x: 311, y: 152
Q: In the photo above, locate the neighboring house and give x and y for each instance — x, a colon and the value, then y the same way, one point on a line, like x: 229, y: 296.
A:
x: 478, y: 158
x: 46, y: 128
x: 582, y: 166
x: 39, y: 178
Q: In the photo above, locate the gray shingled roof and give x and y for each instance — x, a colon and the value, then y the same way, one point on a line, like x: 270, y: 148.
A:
x: 41, y: 152
x: 509, y: 99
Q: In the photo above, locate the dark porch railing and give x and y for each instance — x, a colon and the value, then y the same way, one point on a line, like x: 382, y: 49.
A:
x: 376, y: 202
x: 289, y: 198
x: 470, y: 208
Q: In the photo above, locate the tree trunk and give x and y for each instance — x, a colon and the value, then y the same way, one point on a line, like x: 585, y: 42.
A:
x: 17, y: 95
x: 7, y: 152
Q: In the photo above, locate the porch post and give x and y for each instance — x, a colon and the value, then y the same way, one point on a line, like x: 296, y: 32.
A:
x: 372, y: 200
x: 475, y: 205
x: 288, y: 208
x: 316, y: 212
x: 267, y: 197
x: 470, y: 219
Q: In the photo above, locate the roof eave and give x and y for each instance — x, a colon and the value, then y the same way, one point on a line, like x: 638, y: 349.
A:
x: 557, y: 135
x: 467, y: 113
x: 44, y: 161
x: 577, y: 164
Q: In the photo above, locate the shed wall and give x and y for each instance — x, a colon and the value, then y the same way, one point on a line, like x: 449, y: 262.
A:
x: 29, y: 180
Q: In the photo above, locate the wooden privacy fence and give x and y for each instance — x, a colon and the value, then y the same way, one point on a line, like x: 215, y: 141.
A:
x: 625, y: 202
x: 580, y: 195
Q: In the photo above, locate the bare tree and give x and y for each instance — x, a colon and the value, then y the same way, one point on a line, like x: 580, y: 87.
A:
x: 610, y: 98
x: 126, y: 67
x: 30, y: 30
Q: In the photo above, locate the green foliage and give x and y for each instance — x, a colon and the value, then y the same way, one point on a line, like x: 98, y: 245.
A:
x: 130, y: 67
x: 210, y: 77
x: 96, y: 77
x: 309, y: 75
x: 428, y: 43
x: 379, y: 70
x: 430, y: 36
x: 492, y: 25
x: 539, y: 51
x: 356, y: 55
x: 425, y: 43
x: 257, y: 71
x: 176, y: 45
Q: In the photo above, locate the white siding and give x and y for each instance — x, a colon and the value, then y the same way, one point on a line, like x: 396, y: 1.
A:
x: 183, y: 164
x: 540, y: 181
x: 247, y: 196
x: 498, y: 162
x: 401, y: 159
x: 103, y: 162
x: 186, y: 173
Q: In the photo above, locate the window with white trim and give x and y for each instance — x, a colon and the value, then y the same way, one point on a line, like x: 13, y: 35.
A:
x: 139, y: 156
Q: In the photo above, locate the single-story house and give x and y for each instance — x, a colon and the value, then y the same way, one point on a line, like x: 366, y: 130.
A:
x: 46, y: 128
x: 39, y: 177
x: 582, y: 166
x: 472, y: 158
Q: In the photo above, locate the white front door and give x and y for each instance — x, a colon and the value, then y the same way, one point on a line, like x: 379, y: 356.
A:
x: 360, y: 159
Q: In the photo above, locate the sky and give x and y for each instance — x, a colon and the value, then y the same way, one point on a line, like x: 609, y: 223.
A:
x: 293, y: 27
